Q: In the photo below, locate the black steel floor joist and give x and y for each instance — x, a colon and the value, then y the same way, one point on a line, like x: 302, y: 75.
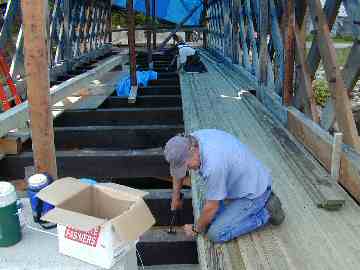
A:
x: 159, y: 90
x: 98, y: 164
x: 122, y: 116
x: 149, y: 101
x: 157, y: 247
x: 159, y: 203
x: 114, y: 137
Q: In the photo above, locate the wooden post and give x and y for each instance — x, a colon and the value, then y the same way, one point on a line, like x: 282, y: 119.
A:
x: 264, y: 26
x: 109, y: 23
x: 235, y: 19
x: 148, y: 34
x: 35, y: 21
x: 227, y: 29
x: 153, y: 20
x: 205, y: 22
x: 301, y: 16
x: 336, y: 155
x: 131, y: 41
x: 67, y: 42
x: 289, y: 18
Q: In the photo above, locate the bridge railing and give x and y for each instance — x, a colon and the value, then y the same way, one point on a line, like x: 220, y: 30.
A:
x: 266, y: 39
x: 79, y: 31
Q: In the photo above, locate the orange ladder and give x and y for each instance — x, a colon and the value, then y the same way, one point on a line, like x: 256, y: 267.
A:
x: 5, y: 71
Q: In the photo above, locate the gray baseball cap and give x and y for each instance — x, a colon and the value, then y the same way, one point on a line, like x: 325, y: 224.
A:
x: 177, y: 151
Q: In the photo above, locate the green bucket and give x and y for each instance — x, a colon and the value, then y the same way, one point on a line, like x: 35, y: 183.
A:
x: 10, y: 231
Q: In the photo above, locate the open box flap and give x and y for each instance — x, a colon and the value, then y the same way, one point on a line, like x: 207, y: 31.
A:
x: 61, y: 190
x: 123, y: 191
x: 77, y: 220
x: 134, y: 222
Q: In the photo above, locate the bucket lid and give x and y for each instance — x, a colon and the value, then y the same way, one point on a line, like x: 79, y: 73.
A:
x: 7, y: 194
x: 37, y: 180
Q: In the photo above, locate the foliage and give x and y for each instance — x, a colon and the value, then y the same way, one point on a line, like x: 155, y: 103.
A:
x: 321, y: 91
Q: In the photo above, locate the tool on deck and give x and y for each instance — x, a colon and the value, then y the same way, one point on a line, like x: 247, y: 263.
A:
x: 175, y: 217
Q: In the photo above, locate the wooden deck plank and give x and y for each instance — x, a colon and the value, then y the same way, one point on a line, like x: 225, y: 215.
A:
x: 211, y: 100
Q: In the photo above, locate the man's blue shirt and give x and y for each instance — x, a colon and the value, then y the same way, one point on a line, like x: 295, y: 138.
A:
x: 229, y: 168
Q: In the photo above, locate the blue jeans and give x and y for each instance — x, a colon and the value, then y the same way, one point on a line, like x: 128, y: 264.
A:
x: 239, y: 217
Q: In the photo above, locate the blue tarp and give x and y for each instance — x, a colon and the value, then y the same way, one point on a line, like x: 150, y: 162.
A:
x: 170, y: 10
x: 123, y: 86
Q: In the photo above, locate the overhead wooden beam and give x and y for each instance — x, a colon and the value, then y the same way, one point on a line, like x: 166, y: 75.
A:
x: 289, y: 18
x: 339, y: 96
x: 35, y: 21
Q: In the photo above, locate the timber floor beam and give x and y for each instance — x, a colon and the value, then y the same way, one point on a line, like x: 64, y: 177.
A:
x: 127, y: 116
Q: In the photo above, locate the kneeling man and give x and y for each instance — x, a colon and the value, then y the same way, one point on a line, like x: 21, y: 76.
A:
x: 238, y: 195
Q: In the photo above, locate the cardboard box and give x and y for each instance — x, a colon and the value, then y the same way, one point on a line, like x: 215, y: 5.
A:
x: 99, y: 224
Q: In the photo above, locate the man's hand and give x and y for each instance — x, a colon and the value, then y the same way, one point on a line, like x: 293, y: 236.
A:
x: 189, y: 231
x: 176, y: 203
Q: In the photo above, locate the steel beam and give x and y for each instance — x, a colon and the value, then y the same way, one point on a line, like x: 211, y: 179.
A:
x: 127, y: 116
x: 115, y: 137
x: 98, y: 164
x: 143, y: 101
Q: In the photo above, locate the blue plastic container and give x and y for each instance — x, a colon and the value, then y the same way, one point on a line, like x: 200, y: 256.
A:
x: 35, y: 184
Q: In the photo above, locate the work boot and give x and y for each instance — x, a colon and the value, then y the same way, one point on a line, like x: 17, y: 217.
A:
x: 273, y: 205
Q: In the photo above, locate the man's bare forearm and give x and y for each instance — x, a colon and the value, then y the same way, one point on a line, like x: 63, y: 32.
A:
x: 207, y: 215
x: 177, y: 186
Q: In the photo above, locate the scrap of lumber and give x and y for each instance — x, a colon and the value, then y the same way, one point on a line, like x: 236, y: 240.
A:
x: 133, y: 94
x: 10, y: 145
x: 17, y: 116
